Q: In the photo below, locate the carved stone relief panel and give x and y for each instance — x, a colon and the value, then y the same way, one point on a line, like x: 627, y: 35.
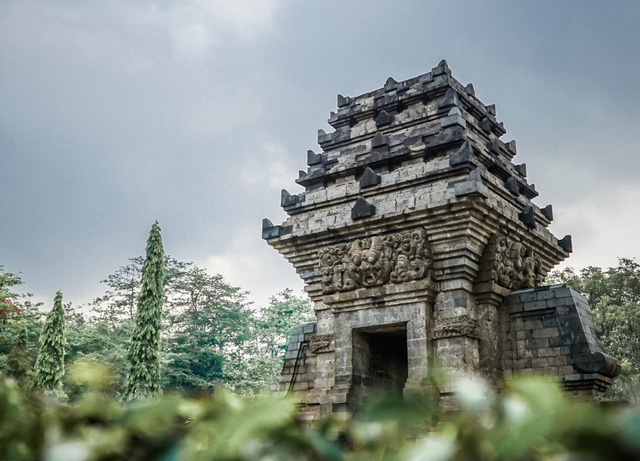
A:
x: 373, y: 261
x: 322, y: 343
x: 510, y: 264
x: 457, y: 326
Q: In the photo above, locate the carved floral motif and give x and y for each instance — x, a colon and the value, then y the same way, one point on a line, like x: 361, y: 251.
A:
x: 374, y: 261
x: 510, y: 264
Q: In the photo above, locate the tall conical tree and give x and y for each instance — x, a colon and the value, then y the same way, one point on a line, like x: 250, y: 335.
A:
x: 143, y: 378
x: 49, y: 367
x: 19, y: 359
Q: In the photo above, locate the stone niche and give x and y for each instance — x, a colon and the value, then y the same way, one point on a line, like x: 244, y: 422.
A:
x: 418, y: 242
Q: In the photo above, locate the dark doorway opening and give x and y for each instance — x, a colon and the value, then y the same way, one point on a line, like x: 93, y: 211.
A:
x: 380, y: 362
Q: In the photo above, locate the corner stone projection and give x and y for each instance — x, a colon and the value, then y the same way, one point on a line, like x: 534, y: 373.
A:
x: 418, y: 242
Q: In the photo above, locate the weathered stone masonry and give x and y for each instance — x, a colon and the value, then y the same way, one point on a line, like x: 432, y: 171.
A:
x: 417, y: 239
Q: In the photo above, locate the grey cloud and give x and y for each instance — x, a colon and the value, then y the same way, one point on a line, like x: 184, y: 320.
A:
x: 114, y: 114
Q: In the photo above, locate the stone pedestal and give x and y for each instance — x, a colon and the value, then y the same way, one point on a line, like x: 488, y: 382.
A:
x: 414, y: 226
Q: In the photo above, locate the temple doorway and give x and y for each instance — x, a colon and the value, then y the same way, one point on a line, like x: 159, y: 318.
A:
x: 380, y: 362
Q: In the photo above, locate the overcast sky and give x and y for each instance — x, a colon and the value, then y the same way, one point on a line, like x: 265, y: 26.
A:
x: 115, y: 113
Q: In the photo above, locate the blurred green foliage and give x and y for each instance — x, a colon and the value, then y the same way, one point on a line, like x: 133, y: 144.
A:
x: 531, y: 420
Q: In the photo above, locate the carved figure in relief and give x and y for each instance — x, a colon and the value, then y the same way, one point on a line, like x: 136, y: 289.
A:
x: 413, y: 256
x: 377, y: 260
x: 539, y: 271
x: 510, y: 264
x: 499, y: 271
x: 370, y: 262
x: 529, y: 269
x: 334, y: 267
x: 514, y: 264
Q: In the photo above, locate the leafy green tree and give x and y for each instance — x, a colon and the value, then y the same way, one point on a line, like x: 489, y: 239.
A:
x: 614, y: 297
x: 99, y: 340
x: 207, y: 305
x: 31, y: 318
x: 210, y: 319
x: 19, y: 359
x: 120, y: 300
x: 49, y: 368
x: 143, y: 377
x: 204, y: 320
x: 258, y: 363
x: 8, y: 307
x: 274, y: 325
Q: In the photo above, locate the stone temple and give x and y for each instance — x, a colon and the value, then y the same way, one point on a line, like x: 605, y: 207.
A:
x: 418, y: 242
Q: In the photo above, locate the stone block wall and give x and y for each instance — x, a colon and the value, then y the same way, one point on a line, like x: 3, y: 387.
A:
x: 299, y: 370
x: 550, y: 330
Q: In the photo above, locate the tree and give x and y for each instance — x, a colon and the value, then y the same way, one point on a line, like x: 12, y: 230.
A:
x: 143, y: 378
x: 285, y: 312
x: 119, y: 301
x: 24, y: 313
x: 106, y: 334
x: 49, y: 368
x: 258, y: 363
x: 19, y: 359
x: 204, y: 319
x: 8, y: 308
x: 614, y: 297
x: 210, y: 320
